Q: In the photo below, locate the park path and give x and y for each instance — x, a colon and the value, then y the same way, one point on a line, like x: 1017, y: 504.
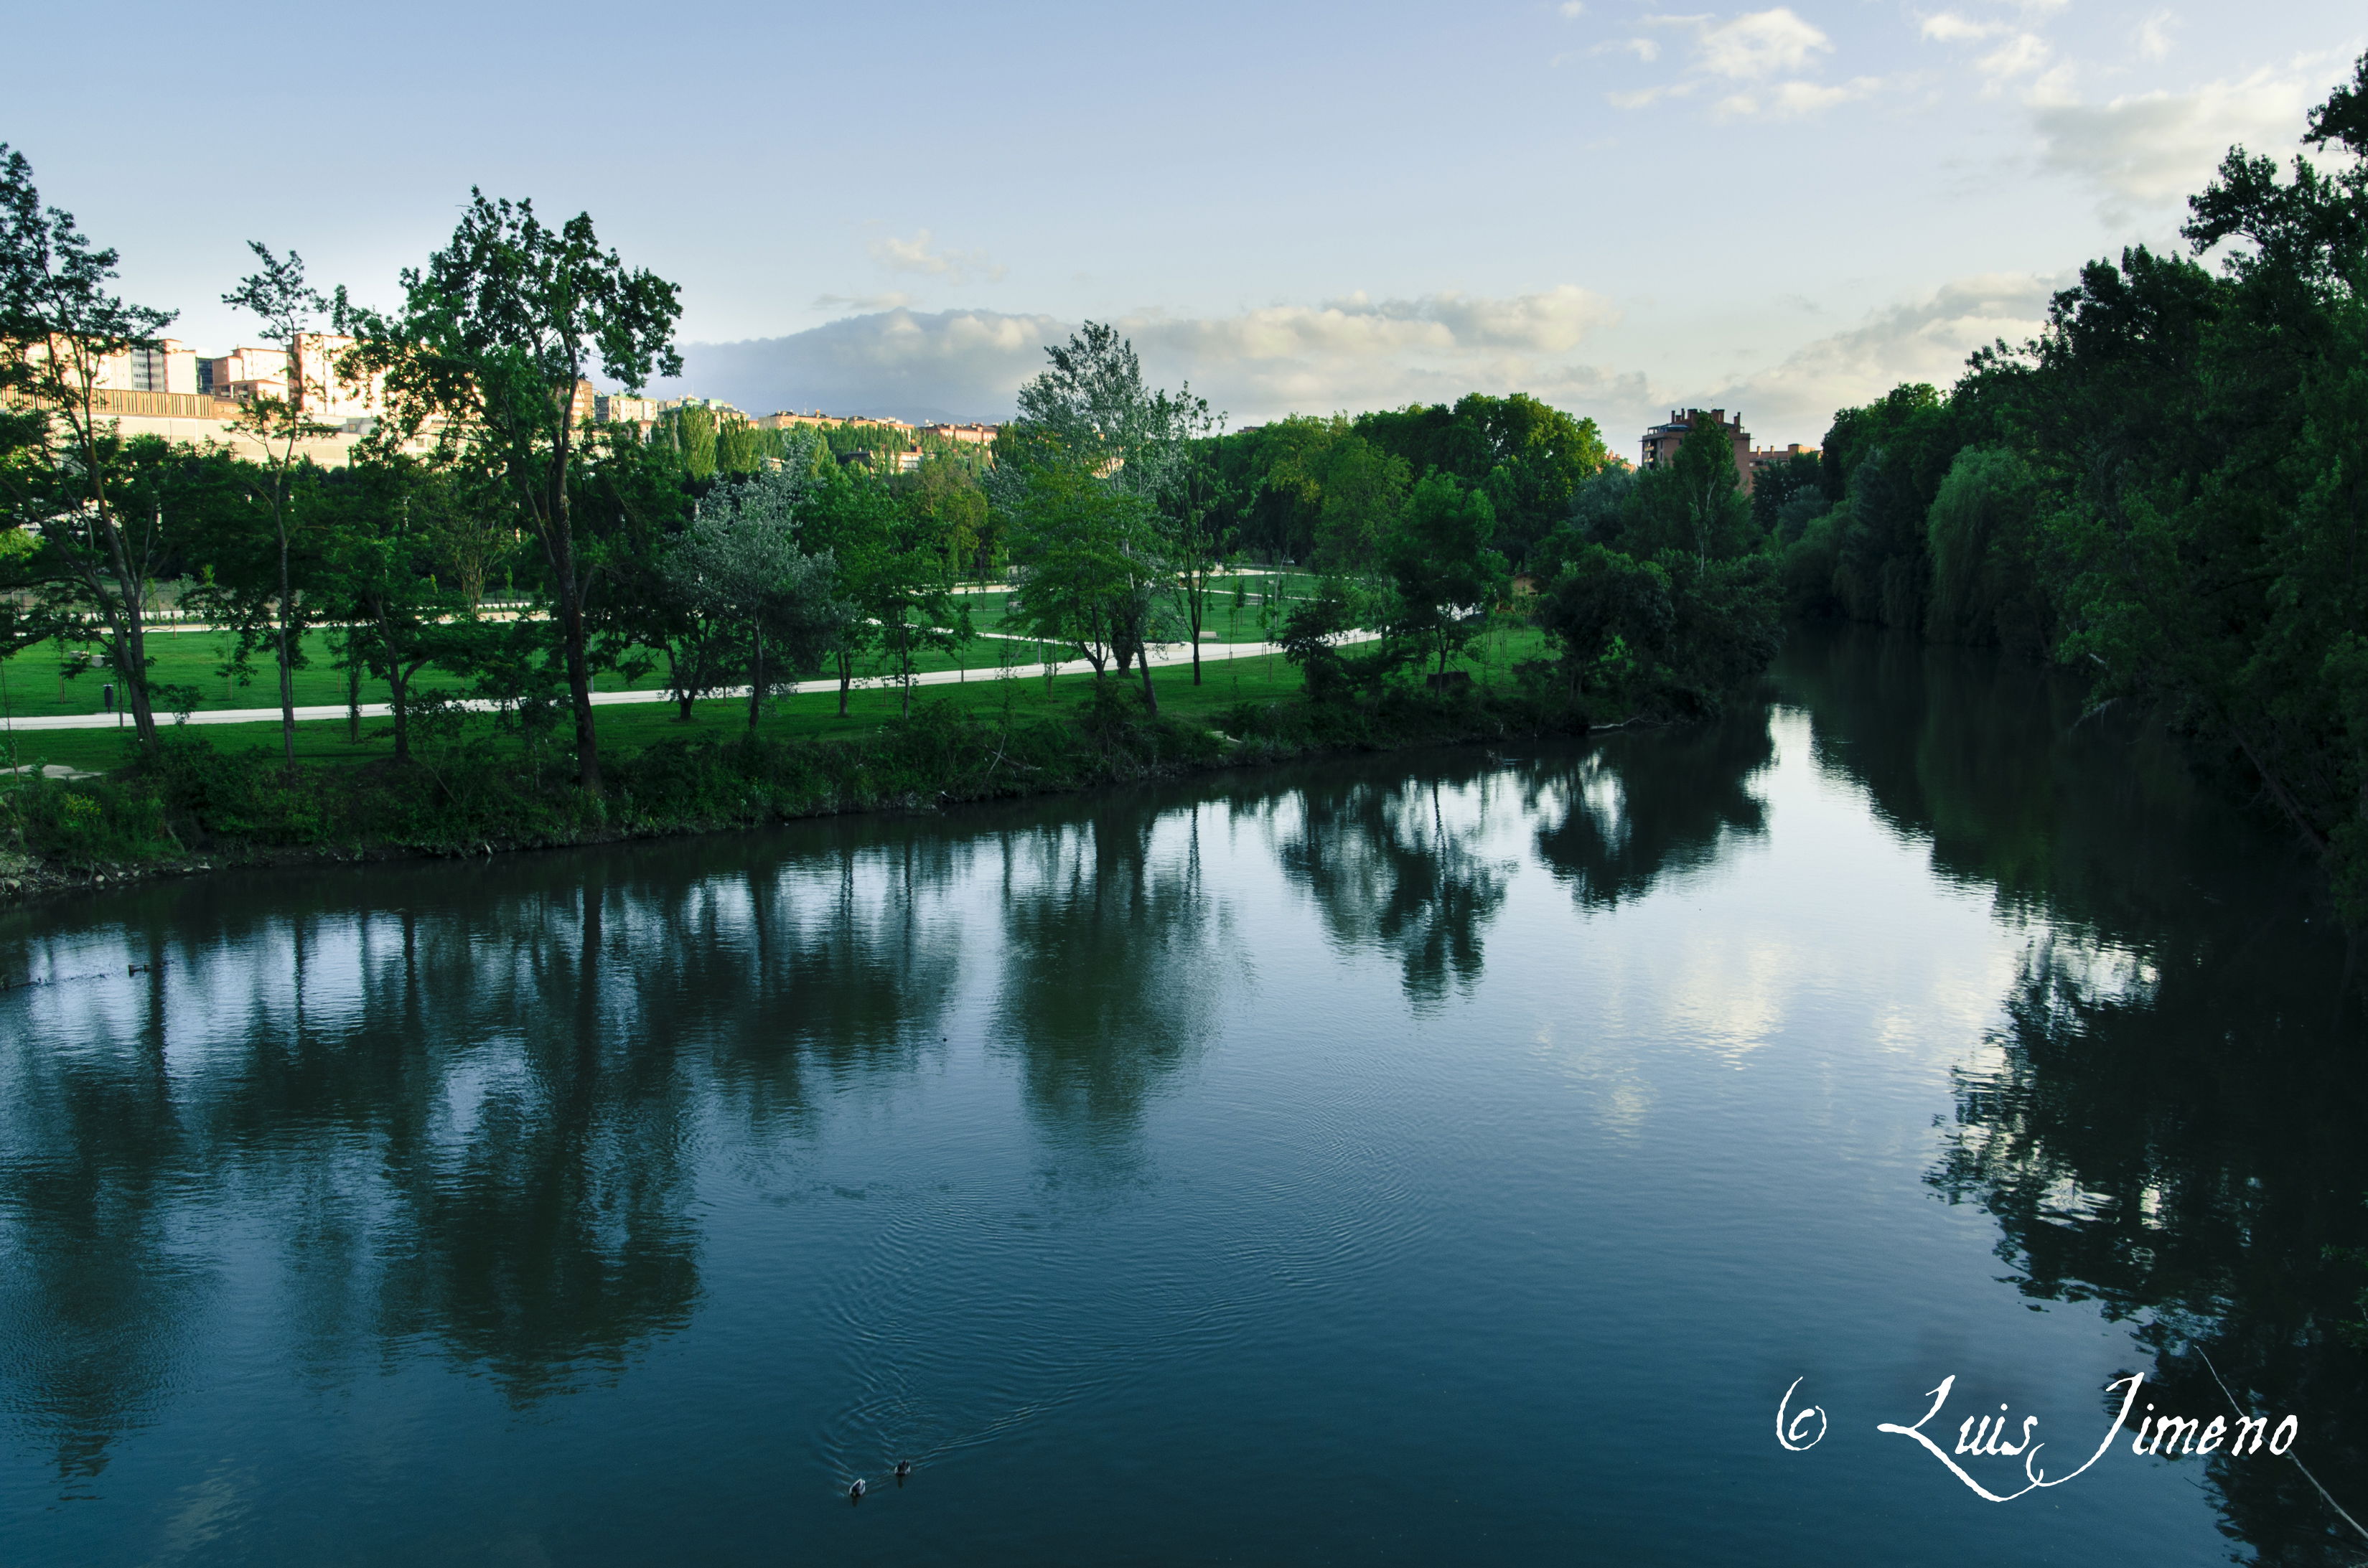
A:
x: 1165, y: 654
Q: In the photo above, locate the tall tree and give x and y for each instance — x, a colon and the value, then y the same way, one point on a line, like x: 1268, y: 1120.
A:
x: 1439, y: 558
x: 1089, y: 422
x: 280, y: 297
x: 59, y: 326
x: 741, y: 565
x: 383, y: 515
x: 493, y: 336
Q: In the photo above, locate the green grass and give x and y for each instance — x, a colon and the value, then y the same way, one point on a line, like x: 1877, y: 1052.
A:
x: 37, y: 684
x: 807, y: 715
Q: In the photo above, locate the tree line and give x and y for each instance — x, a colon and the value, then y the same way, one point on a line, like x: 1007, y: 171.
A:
x: 2167, y: 489
x: 714, y: 553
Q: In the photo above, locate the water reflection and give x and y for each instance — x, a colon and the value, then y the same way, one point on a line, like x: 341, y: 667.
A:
x: 483, y: 1112
x: 2137, y: 1131
x: 1393, y: 868
x: 1643, y: 806
x: 1109, y: 932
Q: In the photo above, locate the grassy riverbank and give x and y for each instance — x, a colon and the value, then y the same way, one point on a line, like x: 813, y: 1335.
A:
x: 221, y: 796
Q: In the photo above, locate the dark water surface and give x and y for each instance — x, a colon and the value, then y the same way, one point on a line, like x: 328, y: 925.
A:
x: 1451, y: 1159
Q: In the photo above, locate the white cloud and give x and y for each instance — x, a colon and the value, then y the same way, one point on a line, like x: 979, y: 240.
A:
x: 1918, y: 340
x: 2154, y: 35
x: 1573, y: 8
x: 1947, y: 27
x: 916, y: 254
x: 1643, y: 49
x: 2152, y: 149
x: 1795, y: 98
x: 2019, y: 56
x: 1761, y: 43
x: 1748, y: 50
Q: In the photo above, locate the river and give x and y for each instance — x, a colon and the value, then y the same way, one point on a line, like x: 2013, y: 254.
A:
x: 1452, y: 1157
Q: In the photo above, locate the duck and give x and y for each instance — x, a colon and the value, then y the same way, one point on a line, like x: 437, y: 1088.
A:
x: 903, y: 1469
x: 855, y: 1492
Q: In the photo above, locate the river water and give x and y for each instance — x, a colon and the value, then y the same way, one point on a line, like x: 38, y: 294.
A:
x: 1447, y: 1158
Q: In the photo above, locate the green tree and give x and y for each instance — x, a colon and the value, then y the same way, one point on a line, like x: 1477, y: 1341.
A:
x: 64, y: 466
x: 494, y: 334
x: 1609, y: 612
x: 273, y: 603
x: 382, y: 516
x: 1439, y: 560
x: 1981, y: 532
x: 740, y: 564
x: 1692, y: 504
x: 1090, y: 423
x: 1531, y: 457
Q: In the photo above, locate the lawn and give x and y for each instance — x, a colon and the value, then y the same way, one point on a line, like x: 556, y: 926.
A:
x: 1263, y: 679
x: 51, y: 678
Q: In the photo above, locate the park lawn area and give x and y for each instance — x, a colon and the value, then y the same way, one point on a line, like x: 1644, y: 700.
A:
x: 36, y: 687
x: 1268, y: 678
x: 631, y: 728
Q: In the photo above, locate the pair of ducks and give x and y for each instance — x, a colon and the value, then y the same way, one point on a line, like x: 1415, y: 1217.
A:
x: 855, y: 1492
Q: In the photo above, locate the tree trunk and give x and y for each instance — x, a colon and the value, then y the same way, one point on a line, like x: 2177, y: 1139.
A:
x: 398, y: 687
x: 1150, y: 698
x: 131, y: 637
x: 756, y: 681
x: 561, y: 551
x: 1195, y: 607
x: 846, y: 679
x: 133, y: 640
x: 287, y: 669
x: 353, y: 685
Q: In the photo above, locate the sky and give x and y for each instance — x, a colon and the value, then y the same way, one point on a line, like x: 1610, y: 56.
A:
x: 1294, y: 207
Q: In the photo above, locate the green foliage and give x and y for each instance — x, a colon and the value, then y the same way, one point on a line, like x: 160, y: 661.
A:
x: 496, y: 333
x: 1608, y: 610
x: 1530, y: 459
x: 1438, y: 557
x: 690, y: 430
x: 1776, y: 486
x: 1693, y: 504
x: 1982, y: 540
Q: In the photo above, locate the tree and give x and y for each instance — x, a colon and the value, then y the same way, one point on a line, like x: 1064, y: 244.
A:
x: 1981, y: 536
x: 1090, y: 424
x: 1529, y: 457
x: 58, y: 326
x: 280, y: 297
x: 692, y: 431
x: 1439, y: 560
x: 382, y: 516
x: 1198, y: 540
x: 1606, y: 608
x: 493, y: 336
x: 740, y: 564
x: 1693, y: 503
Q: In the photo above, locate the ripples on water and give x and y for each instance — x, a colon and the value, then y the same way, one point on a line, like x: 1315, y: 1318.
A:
x: 1447, y: 1158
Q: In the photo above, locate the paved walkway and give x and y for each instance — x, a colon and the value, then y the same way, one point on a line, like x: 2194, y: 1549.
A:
x: 1165, y: 653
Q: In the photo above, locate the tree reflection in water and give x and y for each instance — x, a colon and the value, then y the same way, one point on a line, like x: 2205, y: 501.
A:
x: 2170, y: 1124
x: 1109, y: 930
x: 469, y: 1115
x: 1392, y: 867
x: 1639, y: 808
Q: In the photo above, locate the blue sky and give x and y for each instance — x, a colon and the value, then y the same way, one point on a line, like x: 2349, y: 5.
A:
x: 1296, y: 207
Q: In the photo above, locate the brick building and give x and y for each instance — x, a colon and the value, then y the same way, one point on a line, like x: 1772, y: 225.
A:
x: 1662, y: 441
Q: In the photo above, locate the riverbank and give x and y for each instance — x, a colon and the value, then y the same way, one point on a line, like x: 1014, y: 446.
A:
x: 200, y: 808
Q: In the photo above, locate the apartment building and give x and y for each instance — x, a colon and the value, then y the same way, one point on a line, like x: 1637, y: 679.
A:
x: 1662, y: 441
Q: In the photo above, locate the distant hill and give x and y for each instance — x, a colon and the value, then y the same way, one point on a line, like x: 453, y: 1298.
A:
x: 911, y: 365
